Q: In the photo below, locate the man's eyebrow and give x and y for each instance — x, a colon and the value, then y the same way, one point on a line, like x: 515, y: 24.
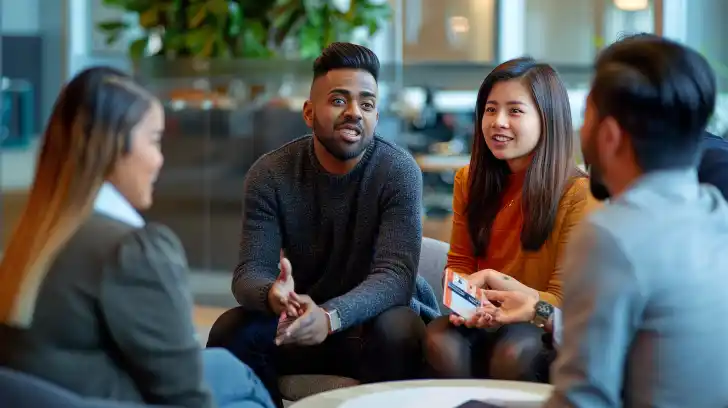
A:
x: 366, y: 94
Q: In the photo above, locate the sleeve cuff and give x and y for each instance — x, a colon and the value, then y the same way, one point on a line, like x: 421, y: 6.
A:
x: 338, y: 305
x: 254, y: 296
x: 549, y: 298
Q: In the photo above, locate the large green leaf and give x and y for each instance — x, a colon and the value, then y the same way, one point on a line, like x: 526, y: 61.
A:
x: 197, y: 39
x: 113, y: 30
x: 134, y: 6
x: 112, y: 26
x: 253, y: 44
x: 220, y: 8
x: 196, y: 15
x: 174, y: 41
x: 282, y: 16
x: 149, y: 18
x: 313, y: 10
x: 138, y: 47
x: 310, y: 41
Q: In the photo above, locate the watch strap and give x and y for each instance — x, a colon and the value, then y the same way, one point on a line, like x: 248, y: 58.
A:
x: 334, y: 320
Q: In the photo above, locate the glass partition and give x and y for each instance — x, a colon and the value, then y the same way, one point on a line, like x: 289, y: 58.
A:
x: 449, y: 31
x: 571, y: 32
x: 566, y: 34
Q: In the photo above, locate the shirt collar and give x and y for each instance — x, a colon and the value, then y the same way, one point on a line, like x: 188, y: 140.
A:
x: 112, y: 204
x: 682, y: 183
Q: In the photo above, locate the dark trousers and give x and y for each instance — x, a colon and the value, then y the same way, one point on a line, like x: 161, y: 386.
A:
x: 386, y: 348
x: 513, y: 352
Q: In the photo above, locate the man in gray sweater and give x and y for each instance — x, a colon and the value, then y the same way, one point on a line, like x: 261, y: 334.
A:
x: 344, y: 207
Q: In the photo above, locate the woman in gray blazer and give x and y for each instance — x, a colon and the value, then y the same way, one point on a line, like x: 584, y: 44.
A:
x: 91, y: 297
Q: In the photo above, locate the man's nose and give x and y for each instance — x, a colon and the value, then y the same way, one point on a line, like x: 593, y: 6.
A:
x: 353, y: 112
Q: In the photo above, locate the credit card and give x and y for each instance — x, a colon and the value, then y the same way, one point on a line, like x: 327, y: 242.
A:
x: 460, y: 296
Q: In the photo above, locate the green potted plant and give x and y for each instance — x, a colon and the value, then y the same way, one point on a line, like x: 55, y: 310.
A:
x: 193, y: 28
x: 226, y: 29
x: 313, y: 24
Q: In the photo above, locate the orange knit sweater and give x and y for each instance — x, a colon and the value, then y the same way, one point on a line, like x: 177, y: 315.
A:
x: 540, y: 270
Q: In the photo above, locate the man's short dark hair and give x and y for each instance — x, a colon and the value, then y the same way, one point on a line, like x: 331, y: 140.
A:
x: 661, y: 93
x: 343, y: 55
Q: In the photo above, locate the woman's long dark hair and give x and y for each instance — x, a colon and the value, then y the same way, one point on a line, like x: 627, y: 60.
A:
x: 550, y: 170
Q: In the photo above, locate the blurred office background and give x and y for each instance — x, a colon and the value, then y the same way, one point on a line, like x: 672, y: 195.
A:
x: 234, y: 74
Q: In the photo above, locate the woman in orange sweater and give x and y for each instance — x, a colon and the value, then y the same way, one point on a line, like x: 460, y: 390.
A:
x: 514, y: 207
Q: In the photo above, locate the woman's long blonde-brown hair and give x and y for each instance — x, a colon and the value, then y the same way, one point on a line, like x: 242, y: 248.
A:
x: 89, y: 129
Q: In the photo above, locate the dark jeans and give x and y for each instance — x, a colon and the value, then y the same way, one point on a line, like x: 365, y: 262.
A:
x: 513, y: 352
x: 386, y: 348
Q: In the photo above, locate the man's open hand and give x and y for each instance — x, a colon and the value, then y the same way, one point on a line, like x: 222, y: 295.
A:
x: 310, y: 328
x: 281, y: 296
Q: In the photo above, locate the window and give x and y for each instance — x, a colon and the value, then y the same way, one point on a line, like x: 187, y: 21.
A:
x: 448, y: 31
x: 570, y: 32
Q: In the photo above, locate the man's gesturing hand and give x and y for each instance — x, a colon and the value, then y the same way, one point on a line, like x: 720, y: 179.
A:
x: 309, y: 329
x: 281, y: 294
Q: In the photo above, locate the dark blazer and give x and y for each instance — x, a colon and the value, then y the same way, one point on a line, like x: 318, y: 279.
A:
x: 713, y: 167
x: 113, y: 319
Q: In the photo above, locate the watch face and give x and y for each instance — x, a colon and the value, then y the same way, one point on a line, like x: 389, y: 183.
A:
x: 544, y: 309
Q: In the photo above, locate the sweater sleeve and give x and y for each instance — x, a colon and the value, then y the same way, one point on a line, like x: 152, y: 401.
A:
x: 391, y: 280
x: 461, y: 258
x: 260, y: 241
x: 577, y: 203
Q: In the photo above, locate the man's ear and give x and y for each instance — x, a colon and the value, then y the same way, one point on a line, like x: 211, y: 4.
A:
x: 612, y: 135
x: 308, y: 113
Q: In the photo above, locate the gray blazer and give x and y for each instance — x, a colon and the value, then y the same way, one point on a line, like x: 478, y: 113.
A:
x: 113, y: 319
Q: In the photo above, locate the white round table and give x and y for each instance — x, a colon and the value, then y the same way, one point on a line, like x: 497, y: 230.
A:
x: 426, y: 393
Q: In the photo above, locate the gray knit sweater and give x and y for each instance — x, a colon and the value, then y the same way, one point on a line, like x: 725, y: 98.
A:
x: 353, y: 240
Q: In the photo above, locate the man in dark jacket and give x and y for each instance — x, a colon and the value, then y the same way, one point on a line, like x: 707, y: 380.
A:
x: 713, y: 168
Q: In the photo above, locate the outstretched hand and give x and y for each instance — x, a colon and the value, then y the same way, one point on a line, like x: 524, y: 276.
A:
x: 281, y: 296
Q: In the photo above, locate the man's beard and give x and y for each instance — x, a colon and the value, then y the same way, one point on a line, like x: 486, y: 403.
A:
x: 335, y: 147
x: 596, y: 184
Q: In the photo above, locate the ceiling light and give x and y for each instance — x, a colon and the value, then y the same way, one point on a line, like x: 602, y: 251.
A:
x: 632, y: 5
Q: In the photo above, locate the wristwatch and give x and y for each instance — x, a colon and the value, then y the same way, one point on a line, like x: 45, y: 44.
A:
x: 544, y: 311
x: 334, y: 320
